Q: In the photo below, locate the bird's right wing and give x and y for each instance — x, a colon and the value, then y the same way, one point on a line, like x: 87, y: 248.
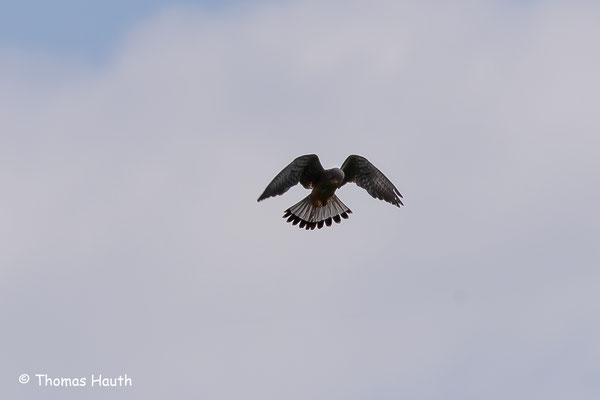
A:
x: 304, y: 169
x: 359, y: 170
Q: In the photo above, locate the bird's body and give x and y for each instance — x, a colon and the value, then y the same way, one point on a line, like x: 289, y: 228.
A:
x: 328, y: 183
x: 322, y: 206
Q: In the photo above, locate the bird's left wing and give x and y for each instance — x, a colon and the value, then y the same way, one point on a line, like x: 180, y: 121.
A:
x: 304, y: 169
x: 359, y: 170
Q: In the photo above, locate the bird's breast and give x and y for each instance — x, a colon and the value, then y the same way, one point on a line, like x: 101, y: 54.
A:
x: 323, y: 191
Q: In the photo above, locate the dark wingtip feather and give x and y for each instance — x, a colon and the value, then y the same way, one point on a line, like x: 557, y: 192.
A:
x: 287, y: 213
x: 320, y: 224
x: 349, y: 211
x: 344, y: 215
x: 337, y: 219
x: 328, y: 221
x: 302, y: 223
x: 295, y: 220
x: 291, y: 218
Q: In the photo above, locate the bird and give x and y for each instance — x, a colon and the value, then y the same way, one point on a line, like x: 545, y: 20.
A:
x: 322, y: 207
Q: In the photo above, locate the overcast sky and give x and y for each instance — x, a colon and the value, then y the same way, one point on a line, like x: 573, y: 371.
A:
x: 131, y: 240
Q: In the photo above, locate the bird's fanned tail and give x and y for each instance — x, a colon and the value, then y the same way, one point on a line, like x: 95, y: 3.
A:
x: 307, y: 216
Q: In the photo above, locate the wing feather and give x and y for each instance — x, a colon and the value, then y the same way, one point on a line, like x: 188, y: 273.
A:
x: 359, y: 170
x: 305, y: 170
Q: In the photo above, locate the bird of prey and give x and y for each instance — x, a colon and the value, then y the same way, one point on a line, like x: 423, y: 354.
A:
x: 322, y: 206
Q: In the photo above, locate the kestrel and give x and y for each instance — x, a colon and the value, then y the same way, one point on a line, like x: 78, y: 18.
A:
x: 322, y: 206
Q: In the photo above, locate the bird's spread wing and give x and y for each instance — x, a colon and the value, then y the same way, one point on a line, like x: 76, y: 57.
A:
x: 359, y: 170
x: 304, y: 169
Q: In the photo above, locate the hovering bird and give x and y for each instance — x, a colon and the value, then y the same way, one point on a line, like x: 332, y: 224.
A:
x: 322, y: 206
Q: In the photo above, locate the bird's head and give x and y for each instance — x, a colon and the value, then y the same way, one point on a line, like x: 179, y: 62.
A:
x: 336, y: 176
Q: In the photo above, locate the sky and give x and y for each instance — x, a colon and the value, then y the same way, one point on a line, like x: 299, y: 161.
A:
x: 136, y: 137
x: 84, y: 30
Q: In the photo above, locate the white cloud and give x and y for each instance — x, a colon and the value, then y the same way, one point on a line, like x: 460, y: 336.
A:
x: 132, y: 241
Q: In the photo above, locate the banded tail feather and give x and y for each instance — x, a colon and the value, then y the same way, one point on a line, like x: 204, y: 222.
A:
x: 307, y: 216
